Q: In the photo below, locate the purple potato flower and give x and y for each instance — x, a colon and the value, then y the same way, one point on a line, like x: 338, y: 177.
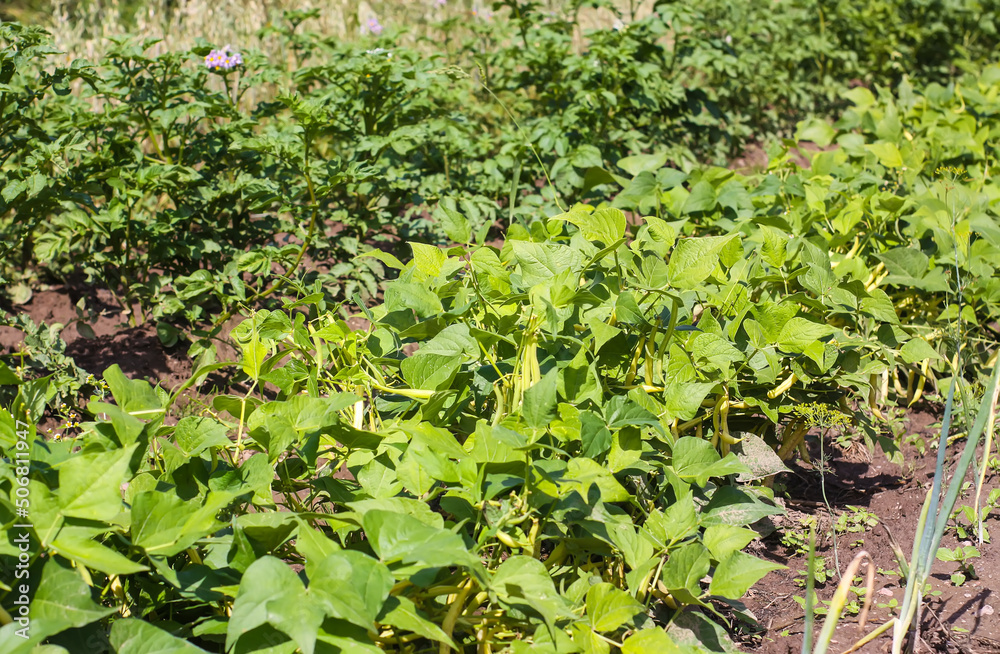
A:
x: 223, y: 60
x: 374, y: 26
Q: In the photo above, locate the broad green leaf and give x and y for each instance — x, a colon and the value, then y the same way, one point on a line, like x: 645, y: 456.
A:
x: 628, y: 311
x: 606, y: 225
x: 523, y: 583
x: 772, y: 317
x: 486, y: 262
x: 165, y: 525
x: 136, y: 397
x: 428, y: 259
x: 639, y: 163
x: 683, y: 399
x: 734, y: 195
x: 540, y: 400
x: 399, y: 538
x: 15, y: 639
x: 7, y: 376
x: 196, y: 581
x: 386, y: 258
x: 254, y: 354
x: 650, y: 641
x: 133, y: 636
x: 906, y: 262
x: 702, y: 198
x: 587, y: 471
x: 732, y: 506
x: 695, y: 459
x: 694, y: 259
x: 402, y: 613
x: 879, y: 306
x: 455, y: 340
x: 270, y: 593
x: 585, y: 639
x: 587, y: 156
x: 127, y: 427
x: 602, y: 333
x: 816, y: 130
x: 774, y: 250
x: 90, y: 484
x: 636, y: 549
x: 714, y: 351
x: 916, y: 350
x: 661, y: 231
x: 887, y: 153
x: 454, y: 225
x: 608, y: 607
x: 313, y: 544
x: 540, y: 262
x: 421, y: 467
x: 737, y: 572
x: 597, y: 176
x: 685, y: 568
x: 674, y: 524
x: 63, y: 600
x: 256, y: 533
x: 351, y: 586
x: 405, y: 505
x: 595, y: 437
x: 798, y: 334
x: 78, y: 544
x: 429, y: 371
x: 860, y: 96
x: 722, y: 540
x: 13, y: 189
x: 579, y: 380
x: 236, y: 406
x: 620, y: 411
x: 495, y: 444
x: 195, y: 434
x: 422, y: 301
x: 342, y: 636
x: 379, y: 479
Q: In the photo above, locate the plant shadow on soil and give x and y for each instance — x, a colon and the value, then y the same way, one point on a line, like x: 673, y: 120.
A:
x: 960, y: 619
x: 956, y: 619
x: 137, y: 350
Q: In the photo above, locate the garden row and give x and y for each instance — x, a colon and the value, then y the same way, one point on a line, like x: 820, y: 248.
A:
x: 168, y: 180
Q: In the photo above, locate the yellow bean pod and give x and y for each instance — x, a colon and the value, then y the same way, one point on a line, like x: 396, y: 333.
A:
x: 782, y: 387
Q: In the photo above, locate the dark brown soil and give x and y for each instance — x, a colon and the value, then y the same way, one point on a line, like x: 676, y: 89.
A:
x: 962, y: 619
x: 136, y: 349
x: 754, y: 159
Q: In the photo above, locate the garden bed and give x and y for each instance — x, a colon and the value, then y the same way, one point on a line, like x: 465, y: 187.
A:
x: 877, y: 497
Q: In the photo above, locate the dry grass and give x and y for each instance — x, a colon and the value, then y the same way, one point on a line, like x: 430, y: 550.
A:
x: 180, y: 23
